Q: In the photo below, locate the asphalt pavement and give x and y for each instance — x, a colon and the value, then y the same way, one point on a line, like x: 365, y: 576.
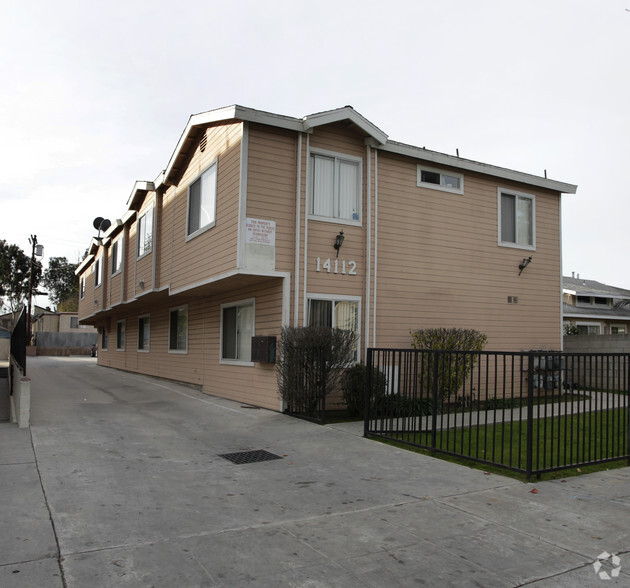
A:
x: 123, y: 480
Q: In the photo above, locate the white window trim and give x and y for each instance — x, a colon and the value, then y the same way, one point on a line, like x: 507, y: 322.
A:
x: 124, y: 322
x: 207, y: 227
x: 339, y: 298
x: 117, y: 242
x: 149, y: 210
x: 168, y: 342
x: 98, y: 271
x: 82, y: 287
x: 143, y: 316
x: 518, y: 194
x: 246, y: 302
x: 343, y: 156
x: 442, y: 172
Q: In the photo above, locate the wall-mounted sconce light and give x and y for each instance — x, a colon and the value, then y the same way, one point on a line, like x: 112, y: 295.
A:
x: 141, y: 283
x: 524, y: 264
x: 338, y: 242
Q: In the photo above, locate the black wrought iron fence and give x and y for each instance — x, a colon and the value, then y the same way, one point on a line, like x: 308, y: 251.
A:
x: 19, y: 341
x: 530, y: 412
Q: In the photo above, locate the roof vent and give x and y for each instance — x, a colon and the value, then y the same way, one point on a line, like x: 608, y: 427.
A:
x: 204, y: 142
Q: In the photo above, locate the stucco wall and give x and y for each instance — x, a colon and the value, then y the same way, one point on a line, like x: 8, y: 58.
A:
x: 597, y: 344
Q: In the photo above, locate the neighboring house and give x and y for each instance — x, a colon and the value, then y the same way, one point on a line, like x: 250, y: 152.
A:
x: 236, y: 238
x: 59, y: 322
x: 595, y: 308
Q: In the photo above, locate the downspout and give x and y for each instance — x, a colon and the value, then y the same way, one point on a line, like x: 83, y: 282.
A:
x: 375, y: 245
x: 242, y: 197
x: 156, y: 230
x: 308, y: 169
x: 368, y: 257
x: 298, y: 222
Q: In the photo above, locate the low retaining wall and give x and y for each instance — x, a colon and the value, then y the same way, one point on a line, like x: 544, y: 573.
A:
x: 597, y: 344
x: 20, y: 398
x: 64, y: 344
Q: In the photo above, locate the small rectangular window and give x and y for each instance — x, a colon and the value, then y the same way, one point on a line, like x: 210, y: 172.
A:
x: 97, y: 272
x: 440, y: 180
x: 238, y: 326
x: 178, y: 330
x: 82, y: 287
x: 202, y: 198
x: 144, y: 333
x: 516, y: 219
x: 74, y: 322
x: 144, y: 237
x: 116, y: 254
x: 120, y: 335
x: 104, y: 339
x: 335, y: 187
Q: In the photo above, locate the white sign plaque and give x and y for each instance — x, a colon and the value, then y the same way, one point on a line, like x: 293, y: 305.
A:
x: 260, y: 232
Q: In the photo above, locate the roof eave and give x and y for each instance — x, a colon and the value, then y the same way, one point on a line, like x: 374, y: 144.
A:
x: 475, y: 166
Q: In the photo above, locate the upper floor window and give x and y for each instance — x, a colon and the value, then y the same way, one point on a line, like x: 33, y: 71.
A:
x: 202, y: 202
x: 336, y: 187
x: 517, y: 219
x: 97, y: 272
x: 237, y: 330
x: 145, y: 232
x: 82, y: 287
x: 116, y: 255
x: 440, y: 180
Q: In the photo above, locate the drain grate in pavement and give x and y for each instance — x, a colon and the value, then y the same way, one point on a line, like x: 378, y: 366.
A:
x: 250, y: 456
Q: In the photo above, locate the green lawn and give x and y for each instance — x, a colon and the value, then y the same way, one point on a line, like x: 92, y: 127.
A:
x: 561, y: 441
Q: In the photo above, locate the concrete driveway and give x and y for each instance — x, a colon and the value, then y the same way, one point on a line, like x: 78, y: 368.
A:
x: 124, y: 485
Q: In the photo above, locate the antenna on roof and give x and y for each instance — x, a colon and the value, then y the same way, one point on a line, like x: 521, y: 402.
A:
x: 101, y: 224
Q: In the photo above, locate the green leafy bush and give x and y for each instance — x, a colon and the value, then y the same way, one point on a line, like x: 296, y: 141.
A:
x: 449, y: 369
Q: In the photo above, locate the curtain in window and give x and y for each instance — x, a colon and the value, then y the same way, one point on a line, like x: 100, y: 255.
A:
x: 245, y: 331
x: 208, y: 197
x: 346, y: 315
x: 323, y: 185
x: 320, y: 313
x: 524, y: 222
x: 178, y: 329
x: 508, y: 226
x: 348, y: 190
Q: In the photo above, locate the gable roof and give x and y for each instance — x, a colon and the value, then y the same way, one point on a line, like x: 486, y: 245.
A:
x: 583, y: 287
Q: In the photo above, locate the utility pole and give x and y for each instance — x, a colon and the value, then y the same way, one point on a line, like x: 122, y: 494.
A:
x: 37, y: 250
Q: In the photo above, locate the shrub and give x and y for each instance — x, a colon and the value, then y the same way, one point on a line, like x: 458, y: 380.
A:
x: 311, y: 363
x: 454, y: 364
x: 354, y: 386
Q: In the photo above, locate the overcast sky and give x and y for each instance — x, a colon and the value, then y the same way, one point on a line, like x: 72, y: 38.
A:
x: 94, y: 96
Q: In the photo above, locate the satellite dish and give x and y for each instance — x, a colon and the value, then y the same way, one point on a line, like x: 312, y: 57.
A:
x: 101, y: 224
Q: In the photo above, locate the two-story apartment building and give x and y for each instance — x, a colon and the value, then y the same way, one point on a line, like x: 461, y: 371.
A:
x: 261, y: 220
x: 595, y: 308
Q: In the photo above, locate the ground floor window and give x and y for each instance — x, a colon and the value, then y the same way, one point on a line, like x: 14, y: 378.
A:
x: 618, y: 330
x: 144, y: 333
x: 120, y: 335
x: 237, y: 330
x: 337, y: 312
x: 178, y: 330
x: 104, y: 338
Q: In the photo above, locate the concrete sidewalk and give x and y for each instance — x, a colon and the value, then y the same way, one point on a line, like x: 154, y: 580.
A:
x: 132, y: 476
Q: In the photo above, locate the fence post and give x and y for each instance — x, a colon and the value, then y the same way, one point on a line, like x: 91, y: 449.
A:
x: 366, y: 393
x: 434, y: 393
x: 530, y: 415
x: 627, y: 361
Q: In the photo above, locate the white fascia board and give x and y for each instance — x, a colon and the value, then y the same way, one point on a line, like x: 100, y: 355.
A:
x: 600, y: 317
x: 475, y: 166
x: 128, y: 216
x: 565, y: 291
x: 138, y: 186
x: 345, y: 113
x: 113, y: 229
